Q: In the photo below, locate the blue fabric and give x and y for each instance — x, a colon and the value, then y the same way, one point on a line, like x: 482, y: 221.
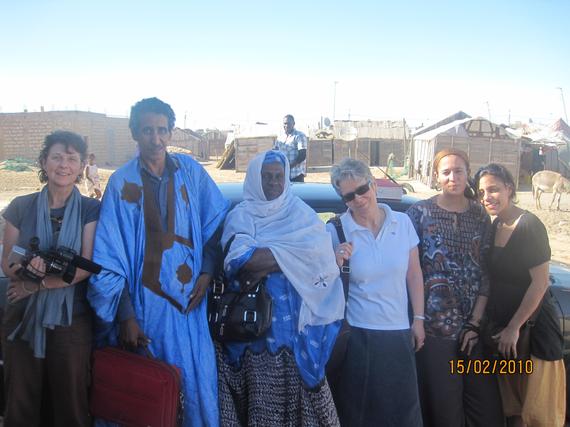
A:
x: 274, y: 157
x: 48, y: 309
x: 180, y: 339
x: 312, y: 346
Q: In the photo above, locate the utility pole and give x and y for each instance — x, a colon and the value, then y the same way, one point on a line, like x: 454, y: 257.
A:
x: 563, y: 103
x: 334, y: 101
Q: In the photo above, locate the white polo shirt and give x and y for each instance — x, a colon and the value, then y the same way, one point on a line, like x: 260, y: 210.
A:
x: 377, y: 297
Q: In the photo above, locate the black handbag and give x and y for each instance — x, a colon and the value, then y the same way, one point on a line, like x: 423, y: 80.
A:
x: 491, y: 347
x: 238, y: 315
x: 490, y: 329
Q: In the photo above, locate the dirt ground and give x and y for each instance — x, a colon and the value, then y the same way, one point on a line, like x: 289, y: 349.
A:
x: 13, y: 184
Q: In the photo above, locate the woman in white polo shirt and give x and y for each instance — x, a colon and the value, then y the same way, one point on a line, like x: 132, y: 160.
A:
x: 378, y: 383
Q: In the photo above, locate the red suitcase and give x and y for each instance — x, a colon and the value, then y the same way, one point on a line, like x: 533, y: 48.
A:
x: 134, y: 390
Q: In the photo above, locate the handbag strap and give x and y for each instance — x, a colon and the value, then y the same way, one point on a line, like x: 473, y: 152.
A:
x: 227, y: 247
x: 226, y: 250
x: 221, y: 275
x: 345, y: 269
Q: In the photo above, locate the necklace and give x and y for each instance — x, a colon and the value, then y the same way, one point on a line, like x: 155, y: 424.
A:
x: 57, y: 219
x: 511, y: 220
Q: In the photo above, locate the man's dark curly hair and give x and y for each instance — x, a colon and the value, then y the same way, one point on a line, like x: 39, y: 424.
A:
x: 150, y: 105
x: 69, y: 140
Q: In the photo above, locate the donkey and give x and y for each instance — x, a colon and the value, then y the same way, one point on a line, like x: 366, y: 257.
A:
x: 547, y: 182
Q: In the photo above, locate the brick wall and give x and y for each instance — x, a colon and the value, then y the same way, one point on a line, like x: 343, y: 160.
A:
x: 22, y: 134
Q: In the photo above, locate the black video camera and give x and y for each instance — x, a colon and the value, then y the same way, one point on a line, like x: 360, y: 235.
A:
x: 60, y: 261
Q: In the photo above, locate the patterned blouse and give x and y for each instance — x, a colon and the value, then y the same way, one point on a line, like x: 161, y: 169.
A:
x: 452, y: 249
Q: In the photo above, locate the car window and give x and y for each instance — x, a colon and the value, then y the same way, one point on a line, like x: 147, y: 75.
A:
x: 325, y: 216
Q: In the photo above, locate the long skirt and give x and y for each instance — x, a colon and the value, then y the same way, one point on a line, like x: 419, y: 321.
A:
x: 378, y: 384
x: 267, y: 390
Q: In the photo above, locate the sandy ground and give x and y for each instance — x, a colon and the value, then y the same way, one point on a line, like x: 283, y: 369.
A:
x: 13, y: 184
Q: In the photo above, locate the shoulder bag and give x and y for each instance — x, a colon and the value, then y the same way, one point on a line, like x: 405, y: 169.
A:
x: 241, y: 315
x: 490, y: 329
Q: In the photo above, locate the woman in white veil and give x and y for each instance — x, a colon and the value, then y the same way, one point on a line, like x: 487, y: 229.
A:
x: 280, y: 379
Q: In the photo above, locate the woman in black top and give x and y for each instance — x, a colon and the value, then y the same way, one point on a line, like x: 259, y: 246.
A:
x: 518, y: 267
x: 46, y: 330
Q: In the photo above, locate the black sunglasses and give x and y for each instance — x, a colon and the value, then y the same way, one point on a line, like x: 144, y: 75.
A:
x: 363, y: 189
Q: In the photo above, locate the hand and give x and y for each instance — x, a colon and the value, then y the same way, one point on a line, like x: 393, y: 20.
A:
x: 507, y: 340
x: 469, y: 341
x: 20, y: 289
x: 200, y: 288
x: 343, y: 252
x: 131, y: 335
x: 418, y: 334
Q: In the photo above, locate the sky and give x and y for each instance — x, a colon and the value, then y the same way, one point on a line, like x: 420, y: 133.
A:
x: 226, y: 63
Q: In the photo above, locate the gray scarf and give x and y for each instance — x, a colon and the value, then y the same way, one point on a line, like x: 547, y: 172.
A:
x: 53, y: 307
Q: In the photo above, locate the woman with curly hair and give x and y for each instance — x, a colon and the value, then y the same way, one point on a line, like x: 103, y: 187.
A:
x: 46, y: 331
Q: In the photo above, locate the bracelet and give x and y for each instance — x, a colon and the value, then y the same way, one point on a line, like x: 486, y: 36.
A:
x: 471, y: 327
x: 419, y: 317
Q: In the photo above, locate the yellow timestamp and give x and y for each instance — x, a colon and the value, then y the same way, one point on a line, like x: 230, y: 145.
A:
x: 490, y: 367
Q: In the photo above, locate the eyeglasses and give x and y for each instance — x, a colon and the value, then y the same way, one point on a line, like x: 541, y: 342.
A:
x: 362, y: 190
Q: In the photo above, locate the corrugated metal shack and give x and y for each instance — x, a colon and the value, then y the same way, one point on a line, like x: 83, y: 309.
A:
x: 367, y: 140
x: 546, y: 147
x: 189, y: 140
x: 482, y: 140
x: 215, y: 140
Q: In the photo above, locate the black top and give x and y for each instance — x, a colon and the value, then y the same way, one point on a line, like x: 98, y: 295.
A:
x: 509, y: 268
x: 22, y: 213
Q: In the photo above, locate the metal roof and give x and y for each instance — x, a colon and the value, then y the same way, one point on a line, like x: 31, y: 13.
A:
x: 453, y: 128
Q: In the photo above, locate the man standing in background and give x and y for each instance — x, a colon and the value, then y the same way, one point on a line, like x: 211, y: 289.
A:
x: 294, y: 145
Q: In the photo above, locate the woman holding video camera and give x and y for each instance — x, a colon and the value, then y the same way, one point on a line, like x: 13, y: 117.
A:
x: 46, y: 330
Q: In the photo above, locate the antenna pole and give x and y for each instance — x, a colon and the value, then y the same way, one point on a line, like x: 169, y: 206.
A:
x: 334, y: 101
x: 563, y: 103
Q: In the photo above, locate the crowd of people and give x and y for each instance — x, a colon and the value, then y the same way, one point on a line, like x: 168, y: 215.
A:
x: 422, y: 289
